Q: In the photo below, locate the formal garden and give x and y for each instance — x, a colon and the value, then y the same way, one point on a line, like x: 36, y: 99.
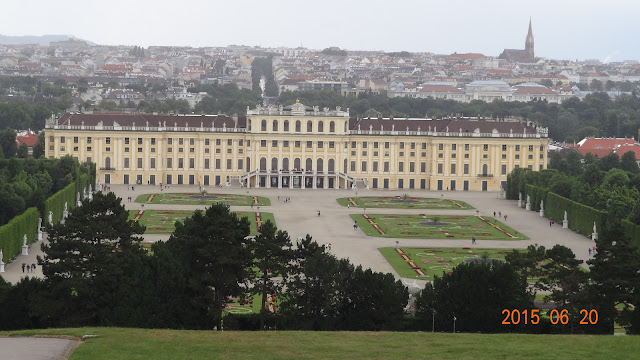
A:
x: 404, y: 202
x: 422, y: 226
x: 163, y: 221
x: 424, y: 263
x: 203, y: 199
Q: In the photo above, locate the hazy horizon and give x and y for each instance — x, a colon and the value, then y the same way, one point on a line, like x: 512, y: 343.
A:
x: 562, y: 29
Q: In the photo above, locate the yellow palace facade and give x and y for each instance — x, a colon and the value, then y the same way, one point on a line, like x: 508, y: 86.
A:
x: 299, y: 147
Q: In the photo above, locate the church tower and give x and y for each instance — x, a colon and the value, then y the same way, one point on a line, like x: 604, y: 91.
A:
x: 528, y: 44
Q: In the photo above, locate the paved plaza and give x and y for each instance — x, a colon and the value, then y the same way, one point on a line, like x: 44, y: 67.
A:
x: 300, y: 217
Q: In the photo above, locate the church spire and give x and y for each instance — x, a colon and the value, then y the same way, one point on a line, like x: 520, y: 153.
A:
x: 528, y: 44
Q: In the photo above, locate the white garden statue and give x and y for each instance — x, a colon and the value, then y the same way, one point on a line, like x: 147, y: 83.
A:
x: 50, y: 217
x: 25, y: 247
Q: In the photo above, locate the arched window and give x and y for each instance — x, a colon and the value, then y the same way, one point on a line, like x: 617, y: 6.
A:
x: 298, y: 126
x: 320, y: 126
x: 263, y: 164
x: 248, y: 164
x: 249, y: 125
x: 274, y: 163
x: 308, y: 164
x: 263, y: 125
x: 286, y: 125
x: 319, y: 167
x: 309, y: 126
x: 296, y: 163
x: 275, y: 125
x: 331, y: 166
x: 285, y: 164
x: 107, y: 163
x: 332, y: 127
x: 484, y: 169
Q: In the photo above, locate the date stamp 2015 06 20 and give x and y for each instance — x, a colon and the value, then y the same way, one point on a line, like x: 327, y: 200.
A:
x: 532, y: 316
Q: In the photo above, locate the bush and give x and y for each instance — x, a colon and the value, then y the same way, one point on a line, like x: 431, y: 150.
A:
x: 11, y: 234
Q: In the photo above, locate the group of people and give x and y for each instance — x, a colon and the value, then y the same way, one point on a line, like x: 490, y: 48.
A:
x: 285, y: 200
x: 30, y: 268
x: 500, y: 215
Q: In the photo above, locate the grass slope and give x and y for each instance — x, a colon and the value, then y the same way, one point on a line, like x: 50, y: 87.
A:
x: 198, y: 199
x: 453, y: 227
x: 399, y: 202
x: 119, y: 343
x: 435, y: 261
x: 163, y: 221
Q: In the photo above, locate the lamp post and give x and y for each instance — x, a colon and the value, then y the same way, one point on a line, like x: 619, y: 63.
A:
x: 454, y: 324
x: 433, y: 320
x: 477, y: 212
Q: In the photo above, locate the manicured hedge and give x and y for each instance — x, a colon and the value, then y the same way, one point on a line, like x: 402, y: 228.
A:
x: 581, y: 217
x: 56, y: 202
x: 536, y: 194
x: 11, y: 234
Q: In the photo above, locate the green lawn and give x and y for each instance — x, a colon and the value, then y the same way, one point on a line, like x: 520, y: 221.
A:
x: 435, y: 261
x: 425, y: 227
x: 400, y: 202
x: 121, y: 343
x: 199, y: 199
x: 163, y: 221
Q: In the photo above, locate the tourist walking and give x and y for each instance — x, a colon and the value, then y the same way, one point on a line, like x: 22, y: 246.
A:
x: 473, y: 240
x: 23, y: 264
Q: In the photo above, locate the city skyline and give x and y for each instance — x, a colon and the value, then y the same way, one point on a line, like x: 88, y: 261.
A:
x: 564, y: 29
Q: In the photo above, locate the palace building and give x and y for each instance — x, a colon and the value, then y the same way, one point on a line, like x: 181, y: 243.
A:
x: 299, y: 147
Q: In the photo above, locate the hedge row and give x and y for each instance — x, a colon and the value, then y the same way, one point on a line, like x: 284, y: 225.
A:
x: 581, y: 217
x: 56, y: 202
x: 536, y: 194
x: 633, y: 232
x: 12, y: 233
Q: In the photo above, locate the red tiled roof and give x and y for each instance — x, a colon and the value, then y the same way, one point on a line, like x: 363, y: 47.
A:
x: 635, y: 148
x: 454, y: 125
x: 601, y: 147
x: 29, y: 138
x: 108, y: 119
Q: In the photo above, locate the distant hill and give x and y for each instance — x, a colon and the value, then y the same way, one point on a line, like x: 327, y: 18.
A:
x: 44, y: 40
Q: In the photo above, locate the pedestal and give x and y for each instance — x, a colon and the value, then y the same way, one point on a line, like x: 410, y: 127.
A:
x: 39, y: 235
x: 520, y: 203
x: 594, y: 236
x: 565, y: 224
x: 1, y: 266
x: 541, y: 212
x: 528, y: 207
x: 25, y: 250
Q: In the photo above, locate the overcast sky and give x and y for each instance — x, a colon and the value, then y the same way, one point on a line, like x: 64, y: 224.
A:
x: 563, y: 29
